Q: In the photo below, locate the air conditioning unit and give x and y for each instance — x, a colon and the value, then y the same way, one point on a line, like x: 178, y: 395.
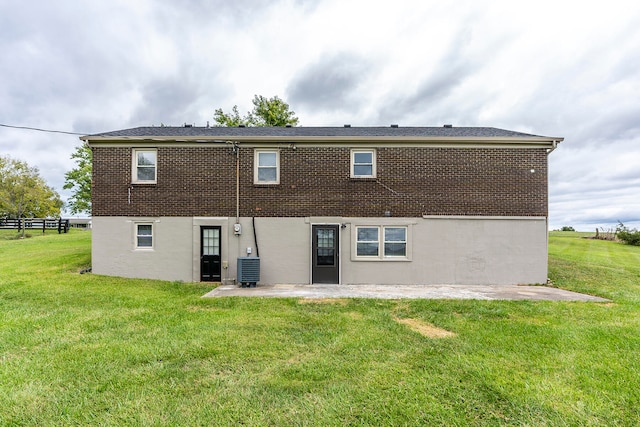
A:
x: 248, y: 271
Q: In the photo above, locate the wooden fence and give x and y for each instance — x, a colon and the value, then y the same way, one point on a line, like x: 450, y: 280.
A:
x: 62, y: 225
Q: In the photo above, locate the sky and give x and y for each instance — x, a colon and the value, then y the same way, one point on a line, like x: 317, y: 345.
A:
x: 555, y: 68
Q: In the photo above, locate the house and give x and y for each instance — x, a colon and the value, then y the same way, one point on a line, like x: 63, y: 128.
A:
x: 343, y: 205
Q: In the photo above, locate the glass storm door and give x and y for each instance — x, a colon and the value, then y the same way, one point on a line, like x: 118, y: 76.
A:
x: 325, y: 266
x: 210, y: 254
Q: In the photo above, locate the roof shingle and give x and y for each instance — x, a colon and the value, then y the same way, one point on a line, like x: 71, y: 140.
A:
x: 231, y: 132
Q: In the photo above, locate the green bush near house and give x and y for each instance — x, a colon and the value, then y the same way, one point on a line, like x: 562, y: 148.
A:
x: 93, y: 350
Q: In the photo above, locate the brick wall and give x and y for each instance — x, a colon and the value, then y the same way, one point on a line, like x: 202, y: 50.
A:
x: 314, y: 181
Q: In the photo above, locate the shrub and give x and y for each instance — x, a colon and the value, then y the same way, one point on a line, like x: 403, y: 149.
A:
x: 567, y: 228
x: 630, y: 237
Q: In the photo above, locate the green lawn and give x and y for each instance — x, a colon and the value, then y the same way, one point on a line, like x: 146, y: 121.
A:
x: 85, y: 349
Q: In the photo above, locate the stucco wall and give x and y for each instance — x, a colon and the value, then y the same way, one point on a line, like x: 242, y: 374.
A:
x: 472, y: 250
x: 464, y: 251
x: 114, y: 252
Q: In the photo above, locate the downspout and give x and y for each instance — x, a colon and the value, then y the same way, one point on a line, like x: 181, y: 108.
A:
x: 255, y: 236
x: 236, y: 149
x: 549, y: 151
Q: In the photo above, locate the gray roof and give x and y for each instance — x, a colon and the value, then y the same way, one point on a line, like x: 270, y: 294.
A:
x: 301, y: 131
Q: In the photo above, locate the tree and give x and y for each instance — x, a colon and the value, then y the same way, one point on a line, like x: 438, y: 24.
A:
x: 266, y: 112
x: 79, y: 181
x: 232, y: 119
x: 23, y: 193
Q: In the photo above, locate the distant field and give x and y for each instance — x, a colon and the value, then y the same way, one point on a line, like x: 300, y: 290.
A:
x: 93, y: 350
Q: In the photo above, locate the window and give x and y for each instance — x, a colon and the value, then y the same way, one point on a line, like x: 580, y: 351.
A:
x: 368, y: 241
x: 144, y: 236
x: 395, y: 241
x: 144, y: 166
x: 326, y: 246
x: 211, y: 241
x: 363, y: 163
x: 267, y: 167
x: 381, y: 242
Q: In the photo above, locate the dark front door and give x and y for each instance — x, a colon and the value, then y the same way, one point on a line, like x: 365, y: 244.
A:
x: 325, y: 266
x: 210, y: 254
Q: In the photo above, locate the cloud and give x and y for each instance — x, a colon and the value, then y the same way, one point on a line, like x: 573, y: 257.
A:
x: 329, y: 84
x: 428, y: 98
x: 177, y: 13
x: 171, y: 100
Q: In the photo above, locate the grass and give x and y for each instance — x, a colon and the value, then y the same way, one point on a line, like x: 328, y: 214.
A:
x: 88, y: 349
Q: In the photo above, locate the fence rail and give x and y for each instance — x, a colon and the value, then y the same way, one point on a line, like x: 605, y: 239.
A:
x: 62, y: 225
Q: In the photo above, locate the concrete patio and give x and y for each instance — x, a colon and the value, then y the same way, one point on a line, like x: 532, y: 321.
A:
x: 480, y: 292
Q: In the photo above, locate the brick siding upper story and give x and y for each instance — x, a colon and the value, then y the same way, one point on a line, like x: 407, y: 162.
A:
x: 315, y: 181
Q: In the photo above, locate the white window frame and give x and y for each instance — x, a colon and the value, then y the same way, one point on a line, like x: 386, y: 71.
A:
x: 353, y: 163
x: 137, y: 236
x: 134, y: 166
x: 384, y: 241
x: 377, y: 241
x: 382, y: 256
x: 257, y: 167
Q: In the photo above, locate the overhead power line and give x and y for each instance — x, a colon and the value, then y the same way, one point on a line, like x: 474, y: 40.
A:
x: 41, y: 130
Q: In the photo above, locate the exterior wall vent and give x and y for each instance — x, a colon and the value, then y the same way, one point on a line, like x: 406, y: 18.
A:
x: 248, y: 271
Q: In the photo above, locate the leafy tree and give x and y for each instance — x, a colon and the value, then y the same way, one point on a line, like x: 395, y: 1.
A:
x: 266, y: 112
x: 79, y: 181
x: 23, y: 193
x: 567, y: 228
x: 232, y: 119
x: 271, y: 112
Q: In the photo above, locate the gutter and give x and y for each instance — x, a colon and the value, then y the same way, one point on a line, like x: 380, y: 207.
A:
x: 554, y: 145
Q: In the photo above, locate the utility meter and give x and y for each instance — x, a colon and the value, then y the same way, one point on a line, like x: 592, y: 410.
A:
x: 237, y: 229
